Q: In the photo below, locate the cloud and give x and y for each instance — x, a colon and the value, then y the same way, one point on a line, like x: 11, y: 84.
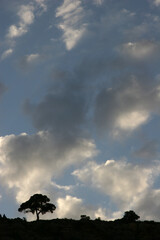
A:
x: 6, y: 53
x: 120, y: 180
x: 15, y: 31
x: 42, y: 4
x: 37, y: 158
x: 147, y: 205
x: 132, y: 120
x: 98, y: 2
x: 26, y: 18
x: 101, y: 213
x: 148, y: 151
x: 68, y: 207
x: 73, y: 207
x: 26, y: 14
x: 63, y: 111
x: 3, y: 88
x: 73, y: 26
x: 139, y: 50
x: 126, y: 106
x: 66, y: 188
x: 141, y: 31
x: 138, y: 31
x: 32, y: 57
x: 129, y: 186
x: 157, y: 2
x: 30, y: 60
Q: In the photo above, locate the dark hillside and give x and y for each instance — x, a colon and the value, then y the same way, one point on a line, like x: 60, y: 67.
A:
x: 65, y: 229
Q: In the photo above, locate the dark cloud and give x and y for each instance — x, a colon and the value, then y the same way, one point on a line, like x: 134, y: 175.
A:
x: 70, y: 102
x: 127, y: 104
x: 62, y: 111
x: 148, y: 205
x: 3, y: 88
x: 148, y: 151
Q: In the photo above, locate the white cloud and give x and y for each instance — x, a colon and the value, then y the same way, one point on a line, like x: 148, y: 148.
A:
x: 42, y: 4
x: 117, y: 215
x: 73, y: 207
x: 27, y: 159
x: 157, y: 2
x: 72, y: 14
x: 127, y: 12
x: 68, y: 207
x: 67, y: 7
x: 26, y: 18
x: 132, y: 120
x: 15, y: 31
x: 32, y: 57
x: 26, y: 14
x: 98, y: 2
x: 120, y: 180
x: 128, y: 106
x: 139, y: 50
x: 100, y: 213
x: 7, y: 53
x: 66, y: 188
x: 129, y: 186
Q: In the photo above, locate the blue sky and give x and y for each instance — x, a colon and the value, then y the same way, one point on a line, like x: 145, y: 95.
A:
x: 79, y: 100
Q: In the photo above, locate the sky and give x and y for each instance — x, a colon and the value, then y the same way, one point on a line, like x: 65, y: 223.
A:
x: 80, y: 106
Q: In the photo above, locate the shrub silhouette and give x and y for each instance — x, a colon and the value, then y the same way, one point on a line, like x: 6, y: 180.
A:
x: 84, y: 217
x: 130, y: 216
x: 37, y: 203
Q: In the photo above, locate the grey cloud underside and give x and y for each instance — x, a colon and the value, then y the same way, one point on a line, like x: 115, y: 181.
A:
x: 148, y: 151
x: 131, y: 94
x: 148, y: 203
x: 3, y: 88
x: 74, y: 100
x: 62, y: 114
x: 65, y: 110
x: 78, y: 100
x: 24, y: 152
x: 27, y: 159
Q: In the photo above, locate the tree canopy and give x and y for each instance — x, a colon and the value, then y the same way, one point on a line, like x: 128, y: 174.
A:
x: 130, y: 216
x: 38, y: 204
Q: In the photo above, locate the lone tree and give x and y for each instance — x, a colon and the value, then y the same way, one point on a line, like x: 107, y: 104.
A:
x: 130, y: 216
x: 37, y: 203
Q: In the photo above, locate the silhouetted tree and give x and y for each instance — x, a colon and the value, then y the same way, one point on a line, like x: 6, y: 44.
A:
x: 84, y: 217
x: 37, y: 203
x: 4, y: 216
x: 130, y: 216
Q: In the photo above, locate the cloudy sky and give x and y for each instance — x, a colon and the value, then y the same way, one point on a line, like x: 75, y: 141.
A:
x: 80, y: 106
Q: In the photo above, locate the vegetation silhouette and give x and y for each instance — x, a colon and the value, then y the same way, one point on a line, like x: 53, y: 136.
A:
x: 38, y: 204
x: 70, y: 229
x: 130, y: 216
x: 85, y: 217
x: 126, y: 228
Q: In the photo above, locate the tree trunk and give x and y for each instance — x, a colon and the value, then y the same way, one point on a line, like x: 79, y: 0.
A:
x: 37, y: 214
